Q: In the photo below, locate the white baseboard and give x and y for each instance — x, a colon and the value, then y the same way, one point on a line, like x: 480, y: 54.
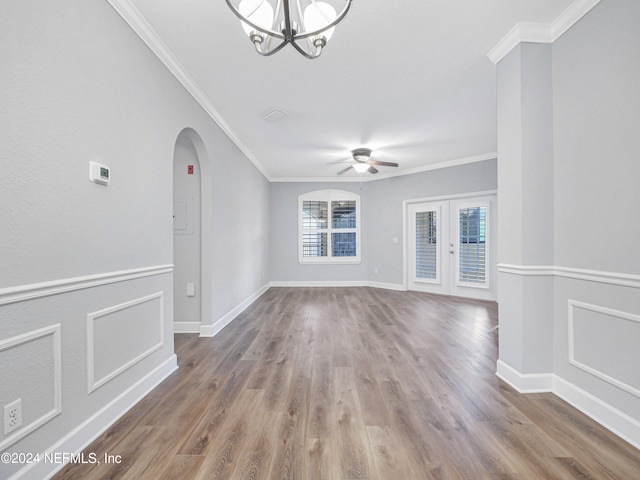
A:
x: 626, y: 427
x: 213, y: 330
x: 525, y: 382
x: 186, y: 327
x: 613, y: 419
x: 388, y: 286
x: 85, y: 433
x: 319, y: 283
x: 339, y: 283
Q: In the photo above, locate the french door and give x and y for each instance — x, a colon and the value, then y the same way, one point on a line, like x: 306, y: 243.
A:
x: 451, y: 247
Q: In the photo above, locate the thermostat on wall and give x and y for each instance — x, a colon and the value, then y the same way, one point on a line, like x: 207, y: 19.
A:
x: 99, y: 173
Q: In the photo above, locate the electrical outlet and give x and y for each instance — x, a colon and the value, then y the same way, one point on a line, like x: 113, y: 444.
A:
x: 12, y: 416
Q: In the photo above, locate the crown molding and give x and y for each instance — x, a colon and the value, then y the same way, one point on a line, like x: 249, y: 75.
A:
x: 541, y: 32
x: 369, y: 178
x: 132, y: 16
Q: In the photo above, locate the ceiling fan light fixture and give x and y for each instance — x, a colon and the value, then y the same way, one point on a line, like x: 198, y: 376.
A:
x: 361, y: 154
x: 361, y: 167
x: 362, y: 162
x: 272, y: 24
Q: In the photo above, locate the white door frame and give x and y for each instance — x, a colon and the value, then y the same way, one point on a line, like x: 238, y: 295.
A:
x: 491, y: 266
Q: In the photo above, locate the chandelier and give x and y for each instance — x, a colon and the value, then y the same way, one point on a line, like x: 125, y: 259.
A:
x: 272, y: 24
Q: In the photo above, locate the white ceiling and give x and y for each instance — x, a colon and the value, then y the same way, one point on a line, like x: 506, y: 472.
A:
x: 410, y: 80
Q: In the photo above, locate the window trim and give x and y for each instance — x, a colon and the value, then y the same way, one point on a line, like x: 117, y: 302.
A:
x: 329, y: 196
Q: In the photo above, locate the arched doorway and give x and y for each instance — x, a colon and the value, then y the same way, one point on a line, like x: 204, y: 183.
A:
x: 191, y: 293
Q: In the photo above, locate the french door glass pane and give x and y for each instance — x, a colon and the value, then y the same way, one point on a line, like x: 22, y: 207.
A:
x: 426, y: 245
x: 473, y: 254
x: 344, y: 244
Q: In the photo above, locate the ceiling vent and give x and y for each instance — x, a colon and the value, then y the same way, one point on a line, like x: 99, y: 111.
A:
x: 273, y: 115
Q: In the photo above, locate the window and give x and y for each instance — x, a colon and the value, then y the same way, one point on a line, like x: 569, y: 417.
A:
x: 427, y: 245
x: 473, y: 240
x: 329, y: 227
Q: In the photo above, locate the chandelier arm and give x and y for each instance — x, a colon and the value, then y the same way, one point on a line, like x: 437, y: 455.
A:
x: 289, y: 35
x: 267, y: 53
x: 304, y: 52
x: 288, y: 31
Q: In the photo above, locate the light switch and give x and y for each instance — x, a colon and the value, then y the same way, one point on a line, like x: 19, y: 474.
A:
x: 191, y: 289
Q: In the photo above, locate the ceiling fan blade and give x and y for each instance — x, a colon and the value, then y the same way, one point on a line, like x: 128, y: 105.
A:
x: 384, y: 164
x: 372, y: 169
x: 346, y: 160
x: 345, y: 170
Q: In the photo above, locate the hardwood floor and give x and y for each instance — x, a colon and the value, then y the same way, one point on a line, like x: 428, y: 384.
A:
x: 352, y: 383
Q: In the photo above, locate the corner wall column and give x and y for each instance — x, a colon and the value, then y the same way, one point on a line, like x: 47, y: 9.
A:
x: 525, y: 208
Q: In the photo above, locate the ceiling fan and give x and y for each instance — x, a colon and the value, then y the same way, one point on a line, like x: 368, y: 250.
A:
x: 362, y: 162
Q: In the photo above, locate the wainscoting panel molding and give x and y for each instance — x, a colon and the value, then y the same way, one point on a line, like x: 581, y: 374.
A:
x: 56, y: 287
x: 610, y: 417
x: 593, y: 329
x: 600, y: 341
x: 611, y: 278
x: 40, y: 366
x: 118, y: 337
x: 85, y: 433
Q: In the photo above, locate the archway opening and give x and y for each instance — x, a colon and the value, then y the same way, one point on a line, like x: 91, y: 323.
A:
x: 189, y: 279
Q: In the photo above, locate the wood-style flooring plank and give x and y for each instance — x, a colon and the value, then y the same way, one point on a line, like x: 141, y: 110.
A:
x: 352, y: 383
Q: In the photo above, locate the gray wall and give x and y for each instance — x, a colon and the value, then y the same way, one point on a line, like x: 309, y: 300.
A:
x: 596, y: 98
x: 596, y: 78
x: 381, y: 211
x: 77, y: 84
x: 525, y: 205
x: 285, y: 266
x: 239, y: 235
x: 569, y: 194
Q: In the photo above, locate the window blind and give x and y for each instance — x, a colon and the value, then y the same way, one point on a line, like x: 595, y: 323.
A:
x: 426, y: 245
x: 473, y: 254
x: 329, y: 229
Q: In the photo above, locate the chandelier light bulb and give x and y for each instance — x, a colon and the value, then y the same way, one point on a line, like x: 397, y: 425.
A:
x: 318, y: 15
x: 306, y: 25
x: 259, y: 12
